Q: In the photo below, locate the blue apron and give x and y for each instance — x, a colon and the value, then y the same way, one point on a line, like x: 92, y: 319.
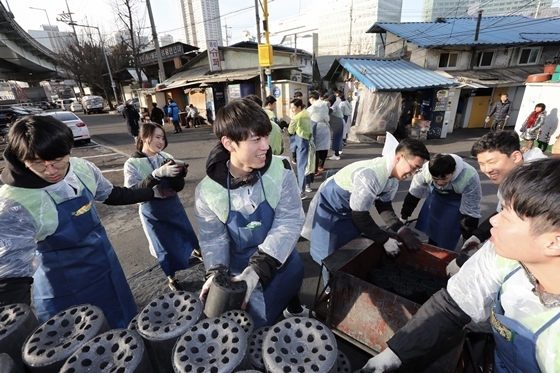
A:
x: 440, y: 218
x: 332, y: 224
x: 170, y: 232
x: 77, y: 265
x: 268, y: 301
x: 515, y: 344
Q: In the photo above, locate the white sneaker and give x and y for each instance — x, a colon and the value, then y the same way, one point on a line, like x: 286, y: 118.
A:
x: 303, y: 196
x: 304, y: 313
x: 294, y: 162
x: 308, y: 189
x: 340, y: 152
x: 334, y: 158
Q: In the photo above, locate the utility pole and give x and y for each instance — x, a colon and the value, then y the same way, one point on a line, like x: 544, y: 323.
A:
x: 227, y: 35
x: 261, y: 70
x: 156, y: 43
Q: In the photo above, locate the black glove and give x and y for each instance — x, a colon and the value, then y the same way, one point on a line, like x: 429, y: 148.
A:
x: 468, y: 225
x: 409, y: 204
x: 409, y: 239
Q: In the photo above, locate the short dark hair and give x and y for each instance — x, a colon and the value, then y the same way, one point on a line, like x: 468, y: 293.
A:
x: 441, y: 165
x: 531, y: 190
x: 146, y: 132
x: 413, y: 147
x: 505, y: 142
x: 297, y: 102
x: 269, y: 100
x: 256, y: 99
x: 541, y: 105
x: 314, y: 95
x: 40, y: 137
x: 298, y: 94
x: 240, y: 119
x: 154, y: 104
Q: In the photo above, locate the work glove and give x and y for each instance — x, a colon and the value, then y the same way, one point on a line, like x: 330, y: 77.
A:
x: 452, y: 268
x: 251, y: 278
x: 470, y: 245
x: 392, y: 246
x: 409, y: 238
x: 167, y: 170
x: 386, y: 361
x: 403, y: 220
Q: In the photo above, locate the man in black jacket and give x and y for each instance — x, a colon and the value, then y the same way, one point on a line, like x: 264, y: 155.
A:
x: 500, y: 110
x: 156, y: 115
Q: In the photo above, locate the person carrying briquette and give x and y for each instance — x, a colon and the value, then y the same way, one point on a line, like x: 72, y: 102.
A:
x: 497, y: 153
x: 51, y: 233
x: 452, y: 208
x: 169, y: 232
x: 339, y: 211
x: 513, y: 280
x: 249, y: 215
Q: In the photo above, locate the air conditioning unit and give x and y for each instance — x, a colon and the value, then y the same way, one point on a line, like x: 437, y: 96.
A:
x: 296, y: 78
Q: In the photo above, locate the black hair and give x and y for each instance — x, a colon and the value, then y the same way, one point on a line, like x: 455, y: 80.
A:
x: 314, y: 94
x: 269, y: 100
x: 441, y: 165
x: 531, y: 191
x: 413, y: 147
x: 256, y: 99
x: 240, y: 119
x: 505, y: 142
x: 146, y: 132
x: 154, y: 104
x: 541, y: 105
x: 298, y: 94
x: 340, y: 95
x: 297, y: 102
x: 40, y: 137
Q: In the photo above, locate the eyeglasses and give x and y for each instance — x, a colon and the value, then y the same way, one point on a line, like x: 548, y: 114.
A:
x: 41, y: 166
x: 415, y: 169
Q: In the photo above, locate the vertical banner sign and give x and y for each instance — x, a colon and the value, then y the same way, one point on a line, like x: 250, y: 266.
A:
x: 214, y: 56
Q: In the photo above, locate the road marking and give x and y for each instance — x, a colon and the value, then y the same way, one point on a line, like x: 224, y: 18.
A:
x: 100, y: 155
x: 112, y: 170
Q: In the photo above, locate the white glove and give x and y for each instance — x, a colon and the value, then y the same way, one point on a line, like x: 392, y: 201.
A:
x: 167, y: 170
x: 206, y: 288
x: 452, y: 268
x: 392, y: 246
x: 251, y: 278
x: 386, y: 361
x: 471, y: 244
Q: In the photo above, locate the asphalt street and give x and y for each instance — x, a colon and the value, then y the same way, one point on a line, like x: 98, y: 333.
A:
x: 111, y: 146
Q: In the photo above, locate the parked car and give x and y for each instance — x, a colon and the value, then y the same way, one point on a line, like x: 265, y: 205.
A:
x: 29, y: 109
x: 78, y: 127
x: 76, y: 106
x: 65, y: 104
x: 92, y: 104
x: 18, y: 113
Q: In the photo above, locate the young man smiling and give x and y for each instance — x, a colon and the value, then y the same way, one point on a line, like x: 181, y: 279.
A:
x: 339, y: 212
x: 513, y: 280
x: 249, y: 214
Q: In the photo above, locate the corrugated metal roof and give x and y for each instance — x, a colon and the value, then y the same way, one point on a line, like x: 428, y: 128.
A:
x: 494, y: 77
x: 505, y: 30
x: 391, y: 75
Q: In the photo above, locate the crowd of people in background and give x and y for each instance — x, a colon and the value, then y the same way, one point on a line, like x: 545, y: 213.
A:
x: 249, y: 214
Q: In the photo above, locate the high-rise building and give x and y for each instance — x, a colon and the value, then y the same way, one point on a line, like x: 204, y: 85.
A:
x: 343, y: 25
x: 51, y: 37
x: 200, y: 22
x: 434, y: 9
x: 165, y: 40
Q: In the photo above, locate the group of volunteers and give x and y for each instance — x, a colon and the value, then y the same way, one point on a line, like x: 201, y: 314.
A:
x: 250, y: 216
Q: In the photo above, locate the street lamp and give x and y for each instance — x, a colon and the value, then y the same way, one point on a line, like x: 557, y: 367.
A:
x: 104, y: 54
x: 48, y: 20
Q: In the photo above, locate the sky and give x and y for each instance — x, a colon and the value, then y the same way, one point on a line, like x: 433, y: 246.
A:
x: 238, y: 15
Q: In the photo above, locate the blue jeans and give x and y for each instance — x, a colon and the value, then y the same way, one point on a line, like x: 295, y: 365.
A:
x: 302, y: 149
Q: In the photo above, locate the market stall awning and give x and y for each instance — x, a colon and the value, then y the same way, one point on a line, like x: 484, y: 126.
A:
x: 388, y: 74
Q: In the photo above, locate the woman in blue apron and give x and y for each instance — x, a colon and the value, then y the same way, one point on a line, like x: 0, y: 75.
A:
x: 249, y: 214
x: 453, y: 204
x: 166, y: 225
x: 51, y: 229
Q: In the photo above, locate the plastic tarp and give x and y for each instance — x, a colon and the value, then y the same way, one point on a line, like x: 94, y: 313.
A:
x: 376, y: 114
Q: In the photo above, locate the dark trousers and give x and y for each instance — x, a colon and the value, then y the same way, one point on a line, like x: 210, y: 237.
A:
x: 542, y: 145
x: 498, y: 125
x: 320, y: 157
x: 177, y: 126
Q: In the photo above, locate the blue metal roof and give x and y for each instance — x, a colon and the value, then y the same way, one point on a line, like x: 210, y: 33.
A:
x: 391, y: 74
x: 504, y: 30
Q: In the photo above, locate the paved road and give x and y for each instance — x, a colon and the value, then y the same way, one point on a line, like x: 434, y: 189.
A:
x: 111, y: 145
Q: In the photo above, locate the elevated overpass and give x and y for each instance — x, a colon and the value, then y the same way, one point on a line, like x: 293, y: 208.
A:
x: 22, y: 57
